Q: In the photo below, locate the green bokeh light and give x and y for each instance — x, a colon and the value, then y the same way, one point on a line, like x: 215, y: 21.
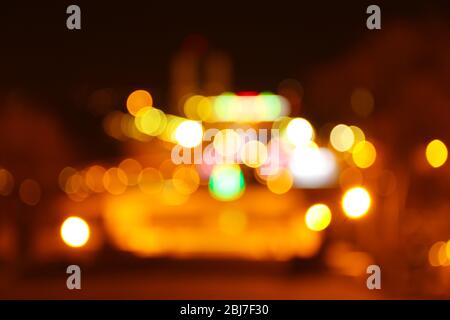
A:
x: 226, y: 182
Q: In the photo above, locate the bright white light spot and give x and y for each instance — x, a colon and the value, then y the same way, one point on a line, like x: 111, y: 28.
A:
x: 189, y: 133
x: 75, y: 232
x: 313, y: 167
x: 356, y: 202
x: 299, y: 132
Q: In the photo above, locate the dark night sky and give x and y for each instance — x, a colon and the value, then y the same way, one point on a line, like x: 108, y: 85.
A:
x: 130, y: 43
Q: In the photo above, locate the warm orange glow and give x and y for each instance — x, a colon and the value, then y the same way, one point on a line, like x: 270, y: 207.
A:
x: 350, y: 177
x: 281, y: 182
x: 112, y: 124
x: 115, y: 181
x: 148, y: 225
x: 344, y: 259
x: 171, y: 195
x: 439, y: 254
x: 132, y: 169
x: 76, y: 188
x: 186, y: 180
x: 64, y: 176
x: 150, y: 181
x: 254, y: 154
x: 232, y: 222
x: 308, y: 242
x: 386, y: 183
x: 130, y: 130
x: 94, y: 178
x: 6, y: 182
x: 198, y: 108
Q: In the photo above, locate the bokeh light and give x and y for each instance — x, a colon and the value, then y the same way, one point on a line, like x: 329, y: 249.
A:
x: 171, y: 195
x: 150, y: 121
x: 115, y: 181
x: 76, y: 187
x: 150, y: 181
x: 318, y: 217
x: 362, y: 102
x: 6, y: 182
x: 436, y: 153
x: 358, y: 135
x: 439, y: 254
x: 313, y: 167
x: 94, y: 178
x: 137, y: 100
x: 64, y: 176
x: 189, y: 133
x: 435, y: 256
x: 75, y: 232
x: 198, y: 107
x: 190, y: 107
x: 299, y: 132
x: 172, y: 123
x: 364, y: 154
x: 281, y: 182
x: 356, y: 202
x: 447, y: 252
x: 227, y: 143
x: 30, y: 192
x: 278, y: 158
x: 254, y: 154
x: 186, y: 179
x: 342, y: 137
x: 132, y: 169
x: 226, y: 182
x: 248, y: 107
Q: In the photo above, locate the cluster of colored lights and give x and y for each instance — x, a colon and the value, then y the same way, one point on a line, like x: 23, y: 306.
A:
x: 293, y: 159
x: 243, y: 107
x: 145, y: 122
x: 298, y: 157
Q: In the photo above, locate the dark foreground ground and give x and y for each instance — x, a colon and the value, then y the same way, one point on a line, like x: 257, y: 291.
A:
x: 189, y: 280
